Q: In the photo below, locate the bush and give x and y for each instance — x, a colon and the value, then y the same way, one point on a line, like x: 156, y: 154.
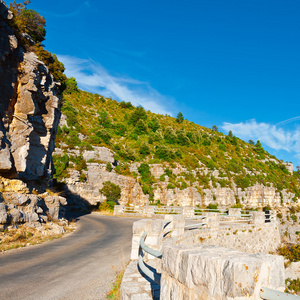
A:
x: 104, y: 135
x: 111, y: 191
x: 212, y: 206
x: 71, y: 86
x: 153, y: 124
x: 144, y: 149
x: 290, y: 252
x: 27, y: 21
x: 61, y: 164
x: 138, y: 114
x: 140, y: 127
x: 165, y: 153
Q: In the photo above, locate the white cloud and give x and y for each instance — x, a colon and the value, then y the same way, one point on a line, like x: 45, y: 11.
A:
x: 273, y: 136
x: 93, y: 77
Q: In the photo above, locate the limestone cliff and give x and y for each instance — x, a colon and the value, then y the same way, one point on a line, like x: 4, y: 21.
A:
x: 29, y: 106
x: 96, y: 174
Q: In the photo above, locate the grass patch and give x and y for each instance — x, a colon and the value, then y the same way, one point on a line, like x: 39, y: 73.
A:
x: 290, y: 252
x: 115, y: 292
x: 292, y: 285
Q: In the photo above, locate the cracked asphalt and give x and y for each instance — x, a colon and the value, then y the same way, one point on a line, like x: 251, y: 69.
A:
x: 79, y: 266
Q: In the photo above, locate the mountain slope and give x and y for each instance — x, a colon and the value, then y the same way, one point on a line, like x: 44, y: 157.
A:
x: 187, y: 155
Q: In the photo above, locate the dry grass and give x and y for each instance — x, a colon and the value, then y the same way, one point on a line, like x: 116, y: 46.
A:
x: 115, y: 293
x: 54, y: 192
x: 105, y: 212
x: 24, y: 236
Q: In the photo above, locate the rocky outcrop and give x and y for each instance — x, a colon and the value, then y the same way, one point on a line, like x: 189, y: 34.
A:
x: 29, y: 106
x: 131, y: 189
x: 18, y: 206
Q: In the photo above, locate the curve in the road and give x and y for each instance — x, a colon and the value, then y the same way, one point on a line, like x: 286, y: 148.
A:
x: 79, y: 266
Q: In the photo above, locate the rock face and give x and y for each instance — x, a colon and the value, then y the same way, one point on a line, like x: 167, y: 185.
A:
x: 29, y: 106
x: 131, y: 190
x: 18, y: 206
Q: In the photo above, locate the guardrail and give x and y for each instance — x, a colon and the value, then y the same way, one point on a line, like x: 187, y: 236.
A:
x: 269, y: 294
x: 197, y: 224
x: 230, y: 215
x: 152, y: 275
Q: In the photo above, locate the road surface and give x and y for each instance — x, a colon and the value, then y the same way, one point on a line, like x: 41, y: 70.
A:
x: 79, y: 266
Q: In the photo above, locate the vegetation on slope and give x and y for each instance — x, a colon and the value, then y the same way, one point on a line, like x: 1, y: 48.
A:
x: 136, y: 135
x: 30, y: 30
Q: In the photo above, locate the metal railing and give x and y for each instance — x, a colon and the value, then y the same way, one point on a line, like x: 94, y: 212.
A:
x: 224, y: 216
x: 197, y: 224
x: 143, y: 247
x: 269, y: 294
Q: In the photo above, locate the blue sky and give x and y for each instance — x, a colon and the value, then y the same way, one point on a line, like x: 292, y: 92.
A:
x: 234, y: 64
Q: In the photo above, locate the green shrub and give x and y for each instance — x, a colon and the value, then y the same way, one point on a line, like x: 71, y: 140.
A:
x: 290, y: 252
x: 111, y: 191
x: 71, y: 86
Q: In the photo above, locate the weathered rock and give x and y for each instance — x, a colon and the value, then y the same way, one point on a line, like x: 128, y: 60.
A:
x: 29, y: 105
x: 3, y: 217
x: 293, y: 270
x: 99, y: 153
x: 16, y: 216
x: 131, y: 191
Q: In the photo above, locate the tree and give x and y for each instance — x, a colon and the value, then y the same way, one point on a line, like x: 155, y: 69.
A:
x: 230, y: 134
x: 179, y: 118
x: 251, y: 142
x: 141, y: 127
x: 111, y: 191
x: 28, y: 21
x: 258, y: 144
x: 144, y: 149
x: 215, y: 128
x: 71, y: 86
x: 153, y: 124
x: 138, y: 114
x: 104, y: 119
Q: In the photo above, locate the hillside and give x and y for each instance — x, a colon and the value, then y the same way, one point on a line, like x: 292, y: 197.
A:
x: 166, y: 155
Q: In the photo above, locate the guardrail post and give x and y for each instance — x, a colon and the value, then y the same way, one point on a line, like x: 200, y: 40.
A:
x: 148, y: 211
x: 188, y: 211
x: 212, y: 219
x: 236, y: 212
x: 258, y: 217
x: 154, y: 237
x: 118, y: 210
x: 175, y: 227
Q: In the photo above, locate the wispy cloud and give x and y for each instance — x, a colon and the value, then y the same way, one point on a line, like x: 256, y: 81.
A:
x: 273, y: 136
x: 73, y: 13
x: 95, y: 78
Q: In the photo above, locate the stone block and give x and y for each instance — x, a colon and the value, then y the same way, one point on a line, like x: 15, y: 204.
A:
x: 176, y: 226
x: 258, y: 217
x: 189, y: 212
x: 213, y: 272
x: 236, y: 212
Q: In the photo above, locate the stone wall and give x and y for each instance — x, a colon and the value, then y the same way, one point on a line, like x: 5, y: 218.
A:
x: 29, y: 106
x: 197, y: 271
x: 249, y: 238
x: 211, y: 273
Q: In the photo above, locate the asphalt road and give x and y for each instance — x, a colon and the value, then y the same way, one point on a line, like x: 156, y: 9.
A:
x: 79, y: 266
